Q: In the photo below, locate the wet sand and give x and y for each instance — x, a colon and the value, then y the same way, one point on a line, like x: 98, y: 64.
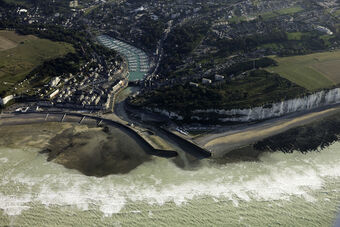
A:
x: 96, y: 151
x: 91, y: 150
x: 30, y: 135
x: 222, y: 143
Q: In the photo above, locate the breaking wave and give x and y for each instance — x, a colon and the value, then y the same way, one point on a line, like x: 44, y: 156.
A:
x: 27, y: 181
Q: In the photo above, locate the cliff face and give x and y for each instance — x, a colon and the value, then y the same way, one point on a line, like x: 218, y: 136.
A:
x: 309, y: 102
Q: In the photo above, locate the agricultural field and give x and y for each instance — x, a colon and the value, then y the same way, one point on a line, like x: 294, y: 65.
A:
x: 286, y: 11
x: 19, y: 55
x: 313, y: 71
x: 268, y: 15
x: 294, y: 35
x: 9, y: 39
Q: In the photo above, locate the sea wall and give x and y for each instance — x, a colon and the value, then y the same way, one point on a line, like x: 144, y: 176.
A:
x: 318, y: 99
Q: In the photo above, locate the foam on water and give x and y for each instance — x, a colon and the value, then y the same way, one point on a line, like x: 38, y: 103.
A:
x: 276, y: 177
x: 14, y: 205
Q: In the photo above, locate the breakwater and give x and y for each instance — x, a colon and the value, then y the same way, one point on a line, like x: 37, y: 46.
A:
x: 189, y: 147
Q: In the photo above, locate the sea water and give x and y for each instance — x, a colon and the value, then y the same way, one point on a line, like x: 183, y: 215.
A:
x: 278, y: 189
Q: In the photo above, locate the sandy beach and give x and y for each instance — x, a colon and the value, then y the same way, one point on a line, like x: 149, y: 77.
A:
x: 94, y: 151
x: 72, y: 144
x: 222, y: 143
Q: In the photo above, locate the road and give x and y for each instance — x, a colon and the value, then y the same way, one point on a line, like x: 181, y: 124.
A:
x: 160, y: 49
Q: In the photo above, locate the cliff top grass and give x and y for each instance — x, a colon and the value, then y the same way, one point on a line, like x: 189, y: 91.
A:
x: 258, y: 88
x: 268, y: 15
x: 312, y: 71
x: 285, y: 11
x: 19, y: 55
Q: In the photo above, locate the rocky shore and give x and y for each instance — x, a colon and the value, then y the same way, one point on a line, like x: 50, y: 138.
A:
x: 310, y: 137
x: 96, y: 151
x: 92, y: 150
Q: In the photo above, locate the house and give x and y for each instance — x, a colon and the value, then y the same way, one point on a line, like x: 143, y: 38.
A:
x: 5, y: 100
x: 55, y: 81
x: 192, y: 84
x: 206, y: 81
x: 53, y: 94
x: 219, y: 77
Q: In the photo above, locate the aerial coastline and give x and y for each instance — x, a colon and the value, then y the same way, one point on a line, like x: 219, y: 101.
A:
x: 169, y: 113
x: 216, y: 143
x: 158, y: 140
x: 219, y: 143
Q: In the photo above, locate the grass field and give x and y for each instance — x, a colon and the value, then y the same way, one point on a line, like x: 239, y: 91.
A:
x: 267, y: 15
x: 21, y: 54
x: 294, y: 35
x: 9, y: 39
x: 285, y: 11
x: 313, y: 71
x: 236, y: 19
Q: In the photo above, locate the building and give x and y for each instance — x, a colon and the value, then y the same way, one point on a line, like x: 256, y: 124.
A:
x: 206, y: 81
x: 53, y: 94
x: 4, y: 101
x: 192, y: 84
x: 219, y: 77
x: 324, y: 30
x: 55, y: 81
x: 74, y: 4
x: 20, y: 11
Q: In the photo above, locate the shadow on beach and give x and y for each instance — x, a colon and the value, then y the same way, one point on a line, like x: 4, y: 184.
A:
x: 96, y: 151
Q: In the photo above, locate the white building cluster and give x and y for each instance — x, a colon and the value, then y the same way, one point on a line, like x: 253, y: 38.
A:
x: 92, y: 88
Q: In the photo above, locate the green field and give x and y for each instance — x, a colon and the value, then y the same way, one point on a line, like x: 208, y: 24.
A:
x: 313, y: 71
x: 257, y: 88
x: 294, y: 35
x: 286, y: 11
x: 237, y: 19
x: 291, y: 10
x: 267, y: 15
x: 21, y: 54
